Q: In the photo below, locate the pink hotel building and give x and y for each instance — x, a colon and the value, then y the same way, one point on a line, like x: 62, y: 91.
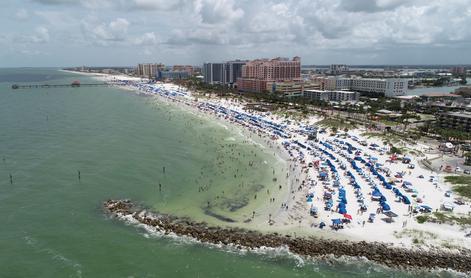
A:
x: 259, y: 75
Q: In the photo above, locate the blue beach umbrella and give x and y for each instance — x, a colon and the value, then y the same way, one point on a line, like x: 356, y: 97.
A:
x: 336, y: 221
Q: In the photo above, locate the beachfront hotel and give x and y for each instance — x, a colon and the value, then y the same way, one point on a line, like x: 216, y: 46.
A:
x: 291, y: 88
x: 223, y: 73
x: 389, y: 87
x: 148, y: 70
x: 336, y: 69
x: 259, y: 75
x: 338, y: 96
x: 455, y: 120
x: 213, y: 73
x: 186, y: 68
x: 172, y: 75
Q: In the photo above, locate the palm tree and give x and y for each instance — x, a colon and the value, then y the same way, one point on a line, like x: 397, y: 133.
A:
x: 467, y: 158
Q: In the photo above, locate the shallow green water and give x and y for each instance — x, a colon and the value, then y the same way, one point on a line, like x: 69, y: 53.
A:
x: 52, y: 224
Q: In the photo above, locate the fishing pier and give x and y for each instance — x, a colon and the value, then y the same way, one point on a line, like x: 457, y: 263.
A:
x: 73, y: 84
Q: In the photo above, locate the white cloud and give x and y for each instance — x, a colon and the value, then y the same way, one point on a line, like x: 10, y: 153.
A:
x: 3, y: 38
x: 148, y: 52
x: 352, y: 28
x: 119, y: 26
x: 90, y: 4
x: 40, y: 35
x: 57, y: 19
x: 102, y: 33
x: 22, y: 14
x: 202, y: 36
x: 120, y: 4
x: 146, y: 39
x: 30, y: 52
x: 217, y: 11
x: 155, y: 4
x: 55, y: 2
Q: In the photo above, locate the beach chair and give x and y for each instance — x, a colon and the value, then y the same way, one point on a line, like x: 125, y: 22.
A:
x: 371, y: 218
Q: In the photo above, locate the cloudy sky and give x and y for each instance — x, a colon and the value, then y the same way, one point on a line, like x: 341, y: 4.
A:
x: 125, y: 32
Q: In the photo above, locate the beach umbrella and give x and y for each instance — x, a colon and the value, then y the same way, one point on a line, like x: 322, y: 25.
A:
x: 385, y: 206
x: 336, y: 221
x: 426, y: 207
x: 406, y: 200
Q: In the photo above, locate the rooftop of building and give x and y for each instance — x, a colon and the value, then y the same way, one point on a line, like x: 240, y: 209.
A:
x: 438, y: 94
x: 384, y: 111
x: 407, y: 97
x: 328, y: 91
x: 459, y: 114
x: 277, y: 59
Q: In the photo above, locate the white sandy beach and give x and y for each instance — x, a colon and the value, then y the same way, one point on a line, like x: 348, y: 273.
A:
x: 293, y: 216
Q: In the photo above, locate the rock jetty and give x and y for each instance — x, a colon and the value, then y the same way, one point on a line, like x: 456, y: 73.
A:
x: 313, y: 247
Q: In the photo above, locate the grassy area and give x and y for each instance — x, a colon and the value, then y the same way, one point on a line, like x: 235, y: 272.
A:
x: 426, y: 117
x: 393, y: 139
x: 449, y: 245
x: 338, y: 124
x: 422, y: 218
x: 293, y: 114
x: 417, y: 236
x: 387, y: 137
x: 446, y: 217
x: 388, y: 123
x: 443, y: 218
x: 462, y: 185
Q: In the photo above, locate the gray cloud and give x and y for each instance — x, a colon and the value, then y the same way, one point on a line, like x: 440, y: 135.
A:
x: 146, y: 39
x: 370, y: 6
x: 315, y: 29
x: 55, y: 2
x: 163, y: 5
x: 22, y: 14
x: 104, y: 33
x: 144, y: 5
x: 40, y: 35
